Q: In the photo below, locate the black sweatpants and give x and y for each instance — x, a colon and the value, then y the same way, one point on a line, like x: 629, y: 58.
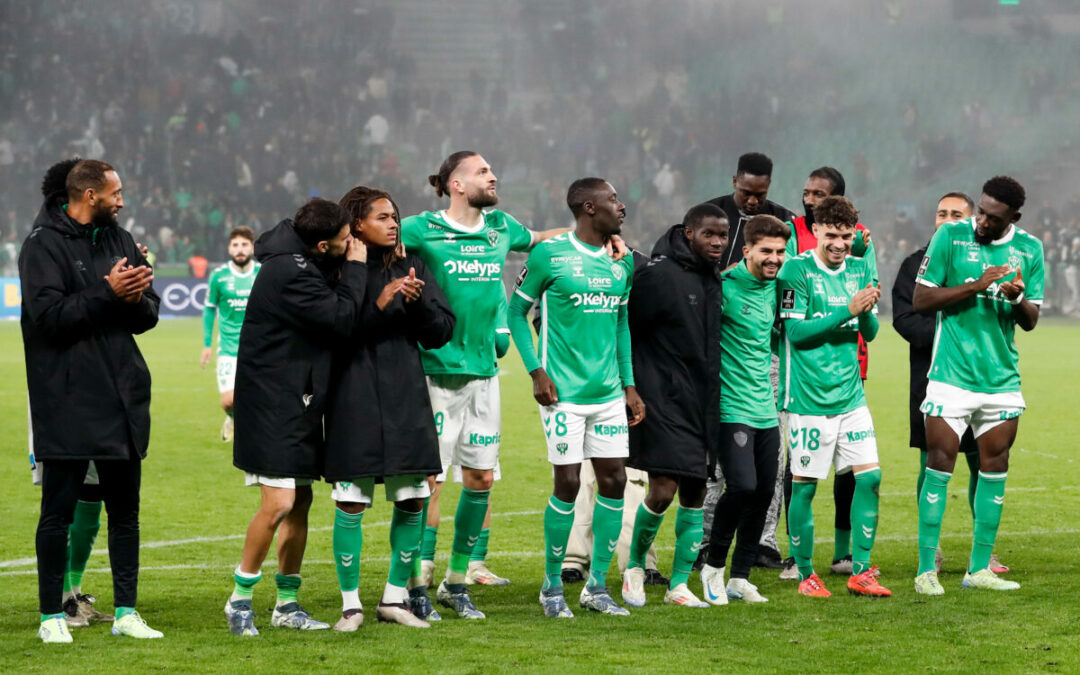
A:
x: 61, y: 485
x: 748, y: 460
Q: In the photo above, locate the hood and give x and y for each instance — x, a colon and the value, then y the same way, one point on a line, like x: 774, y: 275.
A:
x: 53, y: 216
x: 673, y: 244
x: 282, y: 240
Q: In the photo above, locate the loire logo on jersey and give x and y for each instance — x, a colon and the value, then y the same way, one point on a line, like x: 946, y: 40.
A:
x: 598, y: 300
x: 473, y: 267
x: 481, y: 439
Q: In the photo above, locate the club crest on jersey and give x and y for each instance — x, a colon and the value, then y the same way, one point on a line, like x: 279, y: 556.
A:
x: 851, y: 286
x: 787, y: 299
x: 1014, y: 261
x: 521, y: 275
x: 617, y: 272
x: 493, y: 237
x: 924, y: 265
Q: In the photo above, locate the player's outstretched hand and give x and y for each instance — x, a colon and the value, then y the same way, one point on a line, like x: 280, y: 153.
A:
x: 543, y: 388
x: 356, y: 251
x: 1013, y: 289
x: 205, y: 358
x: 990, y: 275
x: 616, y: 247
x: 635, y: 405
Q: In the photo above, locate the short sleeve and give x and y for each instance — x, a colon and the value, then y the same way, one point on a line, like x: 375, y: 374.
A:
x: 934, y: 267
x: 412, y: 236
x: 521, y: 237
x: 792, y: 289
x: 534, y: 276
x: 1034, y: 284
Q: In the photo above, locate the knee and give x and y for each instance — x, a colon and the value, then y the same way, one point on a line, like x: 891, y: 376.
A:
x: 351, y: 507
x: 870, y: 477
x: 479, y: 479
x: 566, y: 490
x: 612, y: 485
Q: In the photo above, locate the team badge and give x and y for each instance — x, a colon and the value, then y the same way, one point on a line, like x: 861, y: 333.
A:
x: 521, y: 275
x: 562, y: 448
x: 787, y: 299
x: 616, y: 271
x: 493, y: 237
x: 804, y: 461
x: 851, y: 286
x: 1014, y: 262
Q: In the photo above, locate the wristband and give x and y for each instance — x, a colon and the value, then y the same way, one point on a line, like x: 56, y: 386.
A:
x: 1018, y: 299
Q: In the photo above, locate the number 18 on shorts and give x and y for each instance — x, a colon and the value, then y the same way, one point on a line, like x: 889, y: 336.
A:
x: 818, y: 442
x: 576, y: 432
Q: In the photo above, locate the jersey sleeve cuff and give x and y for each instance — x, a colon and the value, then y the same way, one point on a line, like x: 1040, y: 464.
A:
x: 925, y: 282
x: 792, y: 315
x: 503, y: 330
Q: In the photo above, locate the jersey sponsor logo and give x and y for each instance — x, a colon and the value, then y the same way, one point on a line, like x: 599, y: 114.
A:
x: 565, y: 258
x: 238, y: 303
x: 787, y: 299
x: 1009, y: 414
x: 475, y: 268
x: 493, y: 237
x: 924, y: 265
x: 859, y: 436
x: 481, y: 439
x: 473, y: 249
x: 599, y: 282
x: 611, y: 429
x: 598, y: 301
x: 521, y: 275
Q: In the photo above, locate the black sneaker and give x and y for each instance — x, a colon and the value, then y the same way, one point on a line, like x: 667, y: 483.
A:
x: 654, y: 578
x: 572, y: 575
x: 420, y: 605
x: 769, y: 559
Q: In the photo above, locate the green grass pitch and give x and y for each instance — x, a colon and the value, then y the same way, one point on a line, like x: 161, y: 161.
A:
x: 195, y: 510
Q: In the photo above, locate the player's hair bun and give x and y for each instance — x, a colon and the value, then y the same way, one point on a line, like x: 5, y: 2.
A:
x: 436, y: 183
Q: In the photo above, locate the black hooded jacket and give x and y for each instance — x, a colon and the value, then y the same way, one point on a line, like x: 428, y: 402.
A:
x: 296, y: 314
x: 675, y: 329
x: 379, y: 421
x: 88, y: 383
x: 737, y: 222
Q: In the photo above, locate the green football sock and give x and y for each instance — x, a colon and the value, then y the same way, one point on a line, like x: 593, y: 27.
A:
x: 427, y: 546
x: 121, y: 612
x: 558, y: 519
x: 288, y: 586
x: 801, y: 526
x: 842, y: 541
x: 646, y: 523
x: 244, y: 584
x: 688, y: 534
x: 479, y: 552
x: 932, y: 500
x: 418, y: 565
x: 607, y: 523
x: 864, y: 518
x: 348, y: 540
x: 468, y: 521
x: 922, y: 474
x: 989, y: 500
x: 81, y: 535
x: 973, y: 478
x: 404, y: 545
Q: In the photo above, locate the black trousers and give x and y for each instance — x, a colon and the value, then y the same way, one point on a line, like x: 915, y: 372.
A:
x: 748, y: 460
x: 61, y: 486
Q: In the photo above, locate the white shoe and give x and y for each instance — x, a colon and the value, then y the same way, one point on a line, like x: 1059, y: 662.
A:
x: 633, y: 586
x: 712, y: 584
x: 478, y: 573
x: 742, y: 589
x: 987, y: 580
x: 54, y: 631
x: 682, y: 596
x: 399, y: 613
x: 427, y: 572
x: 351, y: 620
x: 133, y: 625
x: 790, y: 571
x: 292, y: 615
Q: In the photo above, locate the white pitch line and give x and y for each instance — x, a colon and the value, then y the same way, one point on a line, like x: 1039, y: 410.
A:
x: 22, y: 562
x: 1047, y: 454
x: 522, y: 554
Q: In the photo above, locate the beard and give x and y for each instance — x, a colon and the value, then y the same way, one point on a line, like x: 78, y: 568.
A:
x: 104, y: 218
x: 241, y: 260
x: 481, y: 199
x: 808, y: 211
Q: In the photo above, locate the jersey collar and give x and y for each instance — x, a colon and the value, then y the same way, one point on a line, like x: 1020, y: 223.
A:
x: 1005, y: 238
x: 237, y: 272
x: 825, y: 268
x: 462, y: 228
x: 585, y: 248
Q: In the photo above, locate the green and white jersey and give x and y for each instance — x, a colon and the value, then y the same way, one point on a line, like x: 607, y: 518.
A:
x: 974, y: 347
x: 823, y: 377
x: 467, y: 263
x: 584, y: 334
x: 228, y: 293
x: 749, y: 311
